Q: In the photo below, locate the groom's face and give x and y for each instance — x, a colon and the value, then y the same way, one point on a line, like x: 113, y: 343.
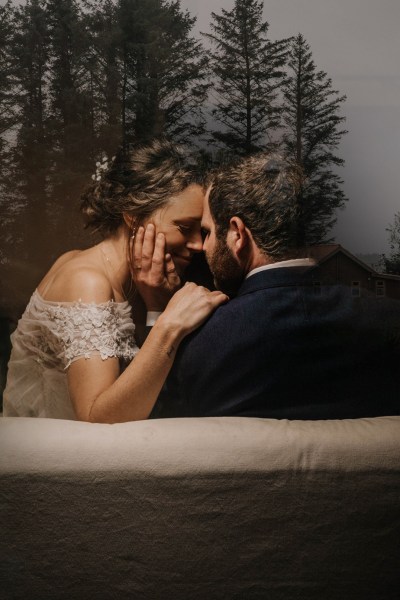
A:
x: 227, y: 272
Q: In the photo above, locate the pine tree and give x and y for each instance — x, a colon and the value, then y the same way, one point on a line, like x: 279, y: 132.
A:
x: 7, y: 122
x: 24, y: 200
x: 103, y: 63
x: 71, y: 119
x: 70, y: 98
x: 137, y: 21
x: 163, y: 81
x: 27, y: 176
x: 7, y: 88
x: 312, y: 133
x: 8, y: 112
x: 248, y: 69
x: 391, y: 263
x: 180, y: 63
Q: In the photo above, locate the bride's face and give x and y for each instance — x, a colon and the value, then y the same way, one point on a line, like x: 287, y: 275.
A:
x: 180, y: 222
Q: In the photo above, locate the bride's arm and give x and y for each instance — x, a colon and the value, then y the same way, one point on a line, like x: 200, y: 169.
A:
x: 100, y: 394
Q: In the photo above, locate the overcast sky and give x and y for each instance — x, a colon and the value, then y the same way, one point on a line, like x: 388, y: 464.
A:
x: 357, y: 43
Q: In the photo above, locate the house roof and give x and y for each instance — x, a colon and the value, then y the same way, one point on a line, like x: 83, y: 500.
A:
x: 323, y: 252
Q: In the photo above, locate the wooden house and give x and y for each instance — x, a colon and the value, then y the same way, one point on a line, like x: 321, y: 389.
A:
x: 338, y: 265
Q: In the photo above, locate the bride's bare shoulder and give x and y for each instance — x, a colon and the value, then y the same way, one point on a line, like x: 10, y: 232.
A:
x: 76, y: 276
x: 67, y: 256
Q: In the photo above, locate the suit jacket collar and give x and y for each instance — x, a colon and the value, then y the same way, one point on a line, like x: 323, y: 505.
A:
x: 281, y: 277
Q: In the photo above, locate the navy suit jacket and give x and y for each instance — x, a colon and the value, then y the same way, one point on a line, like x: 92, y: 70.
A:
x: 286, y: 348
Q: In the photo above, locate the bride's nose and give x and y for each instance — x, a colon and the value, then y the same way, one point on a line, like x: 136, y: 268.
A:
x: 195, y: 244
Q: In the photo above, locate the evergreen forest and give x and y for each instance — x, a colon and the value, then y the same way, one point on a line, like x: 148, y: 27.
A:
x: 78, y: 79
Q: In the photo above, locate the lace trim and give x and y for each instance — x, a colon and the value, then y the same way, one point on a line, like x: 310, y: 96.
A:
x: 78, y: 329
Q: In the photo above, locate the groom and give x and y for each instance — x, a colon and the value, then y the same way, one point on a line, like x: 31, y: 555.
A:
x: 281, y: 347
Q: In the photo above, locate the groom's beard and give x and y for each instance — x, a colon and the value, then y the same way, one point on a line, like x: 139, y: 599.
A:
x: 227, y: 273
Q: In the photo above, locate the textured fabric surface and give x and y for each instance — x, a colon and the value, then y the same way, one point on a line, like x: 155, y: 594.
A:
x: 200, y: 508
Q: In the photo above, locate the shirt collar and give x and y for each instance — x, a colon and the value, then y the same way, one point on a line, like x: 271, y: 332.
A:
x: 294, y: 262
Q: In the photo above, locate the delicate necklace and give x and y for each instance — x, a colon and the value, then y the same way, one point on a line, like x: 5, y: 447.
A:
x: 110, y: 266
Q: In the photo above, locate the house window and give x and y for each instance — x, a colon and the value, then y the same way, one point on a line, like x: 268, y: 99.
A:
x: 355, y: 289
x: 380, y: 287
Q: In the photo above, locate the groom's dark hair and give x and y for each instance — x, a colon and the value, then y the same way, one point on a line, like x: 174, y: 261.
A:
x: 263, y: 190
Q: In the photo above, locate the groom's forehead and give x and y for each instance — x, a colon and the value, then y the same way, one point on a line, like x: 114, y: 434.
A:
x: 207, y: 219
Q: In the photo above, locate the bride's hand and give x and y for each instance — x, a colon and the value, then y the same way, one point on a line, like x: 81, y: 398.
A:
x: 153, y: 271
x: 190, y: 307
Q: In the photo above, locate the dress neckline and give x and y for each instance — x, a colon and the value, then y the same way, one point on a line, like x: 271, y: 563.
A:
x: 37, y: 294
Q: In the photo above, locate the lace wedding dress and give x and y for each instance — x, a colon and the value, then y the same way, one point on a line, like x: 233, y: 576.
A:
x: 52, y: 335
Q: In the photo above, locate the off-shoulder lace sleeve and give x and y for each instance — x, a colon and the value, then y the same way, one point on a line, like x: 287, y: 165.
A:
x: 77, y: 330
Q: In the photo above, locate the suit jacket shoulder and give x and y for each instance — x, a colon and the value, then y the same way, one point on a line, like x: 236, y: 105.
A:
x: 285, y: 348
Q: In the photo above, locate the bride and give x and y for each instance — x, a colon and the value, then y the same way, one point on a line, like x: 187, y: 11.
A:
x: 73, y: 347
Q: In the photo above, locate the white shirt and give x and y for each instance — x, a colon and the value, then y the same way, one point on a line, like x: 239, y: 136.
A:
x: 294, y: 262
x: 152, y: 316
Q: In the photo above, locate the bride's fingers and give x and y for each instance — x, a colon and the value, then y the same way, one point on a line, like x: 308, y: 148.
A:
x: 171, y: 273
x: 148, y: 247
x: 157, y: 266
x: 137, y: 251
x: 219, y: 296
x: 169, y: 264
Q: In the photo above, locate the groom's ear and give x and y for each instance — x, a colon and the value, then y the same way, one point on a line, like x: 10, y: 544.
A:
x: 239, y: 236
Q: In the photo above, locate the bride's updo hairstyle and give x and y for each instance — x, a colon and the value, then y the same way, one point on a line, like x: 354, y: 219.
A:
x: 138, y: 181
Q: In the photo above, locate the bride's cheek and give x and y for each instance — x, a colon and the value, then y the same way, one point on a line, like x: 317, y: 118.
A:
x: 172, y: 240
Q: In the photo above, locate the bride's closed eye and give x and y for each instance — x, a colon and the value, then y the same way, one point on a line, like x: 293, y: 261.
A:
x: 183, y: 228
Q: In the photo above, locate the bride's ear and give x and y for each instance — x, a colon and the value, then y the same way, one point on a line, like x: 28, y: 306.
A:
x: 130, y: 221
x: 239, y: 236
